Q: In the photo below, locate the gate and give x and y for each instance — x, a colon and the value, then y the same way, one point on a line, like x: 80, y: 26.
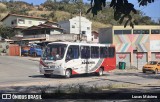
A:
x: 155, y: 56
x: 14, y: 50
x: 123, y: 57
x: 139, y: 58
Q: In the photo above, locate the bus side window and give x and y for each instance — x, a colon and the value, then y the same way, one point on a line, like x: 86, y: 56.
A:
x: 73, y: 52
x: 94, y: 52
x: 111, y: 51
x: 103, y: 52
x: 85, y: 52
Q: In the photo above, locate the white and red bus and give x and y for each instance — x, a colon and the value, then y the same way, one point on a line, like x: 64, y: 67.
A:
x: 69, y: 58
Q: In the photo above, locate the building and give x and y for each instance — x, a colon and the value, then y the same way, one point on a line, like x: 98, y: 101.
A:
x: 95, y: 37
x: 42, y: 32
x: 133, y: 46
x: 73, y: 26
x: 21, y: 22
x: 49, y: 31
x: 36, y: 29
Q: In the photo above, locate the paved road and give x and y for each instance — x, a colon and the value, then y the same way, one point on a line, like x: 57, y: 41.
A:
x: 18, y: 72
x: 22, y: 71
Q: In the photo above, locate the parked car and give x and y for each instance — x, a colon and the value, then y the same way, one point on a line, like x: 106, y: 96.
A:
x: 153, y: 66
x: 25, y: 50
x: 35, y: 50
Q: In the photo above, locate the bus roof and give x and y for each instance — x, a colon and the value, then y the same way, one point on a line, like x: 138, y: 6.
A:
x: 81, y: 43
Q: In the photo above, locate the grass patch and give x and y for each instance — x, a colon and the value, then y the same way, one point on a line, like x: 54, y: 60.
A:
x: 97, y: 25
x: 81, y: 88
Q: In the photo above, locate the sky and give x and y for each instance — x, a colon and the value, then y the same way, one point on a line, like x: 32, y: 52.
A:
x: 152, y: 10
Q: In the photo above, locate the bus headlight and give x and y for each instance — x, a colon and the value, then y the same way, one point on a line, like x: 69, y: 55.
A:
x: 56, y: 67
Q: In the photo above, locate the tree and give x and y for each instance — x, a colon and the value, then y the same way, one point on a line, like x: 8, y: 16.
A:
x: 50, y: 5
x: 122, y: 9
x: 6, y: 32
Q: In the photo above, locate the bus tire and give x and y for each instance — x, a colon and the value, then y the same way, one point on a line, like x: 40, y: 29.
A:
x: 144, y: 71
x: 100, y: 73
x: 47, y: 75
x: 68, y: 73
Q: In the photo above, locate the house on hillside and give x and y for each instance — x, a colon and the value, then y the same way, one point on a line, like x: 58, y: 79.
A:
x: 73, y: 26
x: 95, y: 37
x: 35, y: 29
x: 49, y: 31
x: 41, y: 32
x: 21, y: 22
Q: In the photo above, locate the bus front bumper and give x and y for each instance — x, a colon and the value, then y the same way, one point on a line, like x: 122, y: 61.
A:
x: 53, y: 71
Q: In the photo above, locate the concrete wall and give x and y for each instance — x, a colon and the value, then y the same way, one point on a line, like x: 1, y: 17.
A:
x: 105, y: 36
x: 65, y: 25
x: 64, y: 37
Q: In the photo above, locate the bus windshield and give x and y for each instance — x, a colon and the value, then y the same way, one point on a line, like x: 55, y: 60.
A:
x: 54, y: 52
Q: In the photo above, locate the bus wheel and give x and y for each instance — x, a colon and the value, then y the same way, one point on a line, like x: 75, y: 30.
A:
x: 144, y: 71
x: 47, y: 75
x: 100, y: 73
x: 68, y: 73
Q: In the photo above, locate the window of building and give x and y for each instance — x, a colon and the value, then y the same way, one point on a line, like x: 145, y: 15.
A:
x: 145, y: 31
x: 126, y: 31
x: 85, y: 52
x: 88, y: 28
x: 137, y: 32
x: 140, y: 31
x: 92, y: 39
x: 30, y: 22
x: 12, y: 22
x: 83, y: 32
x: 155, y: 31
x: 118, y: 32
x: 21, y: 21
x: 94, y: 52
x: 122, y: 31
x: 73, y: 26
x: 73, y: 52
x: 103, y: 52
x: 111, y: 51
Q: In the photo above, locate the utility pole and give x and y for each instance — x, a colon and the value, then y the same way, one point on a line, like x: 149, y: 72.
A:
x: 80, y: 25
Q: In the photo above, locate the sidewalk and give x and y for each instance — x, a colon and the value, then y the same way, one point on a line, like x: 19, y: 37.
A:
x: 126, y: 70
